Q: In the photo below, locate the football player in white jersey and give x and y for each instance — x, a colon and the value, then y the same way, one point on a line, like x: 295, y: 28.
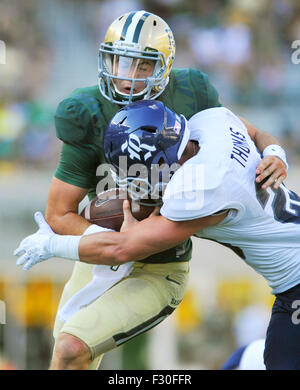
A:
x: 212, y: 195
x: 247, y: 357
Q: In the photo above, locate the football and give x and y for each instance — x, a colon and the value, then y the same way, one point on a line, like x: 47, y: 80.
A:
x: 106, y: 209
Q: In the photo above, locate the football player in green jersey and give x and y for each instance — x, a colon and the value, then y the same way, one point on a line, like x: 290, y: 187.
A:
x: 135, y: 62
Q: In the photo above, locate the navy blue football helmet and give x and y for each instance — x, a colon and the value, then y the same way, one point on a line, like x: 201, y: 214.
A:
x: 148, y: 138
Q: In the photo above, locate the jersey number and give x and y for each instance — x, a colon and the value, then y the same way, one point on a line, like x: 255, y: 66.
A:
x: 285, y: 204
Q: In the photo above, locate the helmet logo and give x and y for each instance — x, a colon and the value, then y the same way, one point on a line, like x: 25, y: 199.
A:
x: 134, y: 147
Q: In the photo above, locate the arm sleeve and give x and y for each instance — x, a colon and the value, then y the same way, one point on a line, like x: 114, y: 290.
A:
x: 79, y: 158
x: 191, y: 194
x: 194, y: 192
x: 77, y: 166
x: 193, y: 205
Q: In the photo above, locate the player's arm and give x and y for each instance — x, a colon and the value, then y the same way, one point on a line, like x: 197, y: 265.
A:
x: 274, y: 166
x: 273, y: 163
x: 145, y: 238
x: 76, y: 171
x: 259, y: 137
x: 150, y: 236
x: 62, y: 208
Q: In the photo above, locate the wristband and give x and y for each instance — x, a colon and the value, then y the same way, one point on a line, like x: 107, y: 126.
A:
x: 96, y: 229
x: 65, y: 246
x: 276, y: 150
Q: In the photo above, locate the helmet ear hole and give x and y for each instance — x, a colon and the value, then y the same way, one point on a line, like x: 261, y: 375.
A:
x: 150, y: 129
x: 123, y: 120
x: 161, y: 161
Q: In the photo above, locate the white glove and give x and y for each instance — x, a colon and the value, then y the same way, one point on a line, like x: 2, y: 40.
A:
x: 44, y: 244
x: 36, y: 247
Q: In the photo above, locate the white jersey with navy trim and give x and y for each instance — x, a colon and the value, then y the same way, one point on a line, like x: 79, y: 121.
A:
x: 263, y: 226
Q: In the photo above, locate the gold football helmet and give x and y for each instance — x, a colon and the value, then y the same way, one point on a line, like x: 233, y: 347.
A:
x: 135, y: 58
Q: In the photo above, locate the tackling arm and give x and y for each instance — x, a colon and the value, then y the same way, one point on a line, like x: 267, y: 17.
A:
x: 145, y: 238
x: 152, y: 235
x: 271, y: 165
x: 260, y: 138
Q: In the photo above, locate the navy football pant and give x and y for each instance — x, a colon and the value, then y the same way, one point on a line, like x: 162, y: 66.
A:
x: 282, y: 349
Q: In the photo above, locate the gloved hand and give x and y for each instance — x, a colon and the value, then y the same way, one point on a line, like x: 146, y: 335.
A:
x: 36, y: 247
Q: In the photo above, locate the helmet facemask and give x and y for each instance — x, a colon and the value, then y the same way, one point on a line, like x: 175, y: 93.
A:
x: 124, y: 61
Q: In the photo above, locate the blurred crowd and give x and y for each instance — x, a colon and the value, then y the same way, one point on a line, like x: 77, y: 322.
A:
x: 26, y: 122
x: 243, y: 45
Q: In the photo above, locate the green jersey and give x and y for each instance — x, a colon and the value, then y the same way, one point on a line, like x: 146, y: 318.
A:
x: 82, y: 118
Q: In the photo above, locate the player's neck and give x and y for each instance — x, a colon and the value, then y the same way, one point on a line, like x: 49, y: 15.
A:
x: 192, y: 148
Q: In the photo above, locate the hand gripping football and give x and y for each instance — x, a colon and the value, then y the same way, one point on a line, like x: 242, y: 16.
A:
x: 106, y: 209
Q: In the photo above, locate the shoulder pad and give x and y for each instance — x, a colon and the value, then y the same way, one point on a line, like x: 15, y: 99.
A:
x: 191, y: 73
x: 72, y: 120
x: 195, y: 86
x: 201, y: 82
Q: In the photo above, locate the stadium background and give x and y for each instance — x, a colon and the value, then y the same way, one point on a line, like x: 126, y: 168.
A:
x: 51, y: 49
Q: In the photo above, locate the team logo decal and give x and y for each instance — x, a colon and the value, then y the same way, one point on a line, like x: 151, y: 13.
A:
x: 135, y: 146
